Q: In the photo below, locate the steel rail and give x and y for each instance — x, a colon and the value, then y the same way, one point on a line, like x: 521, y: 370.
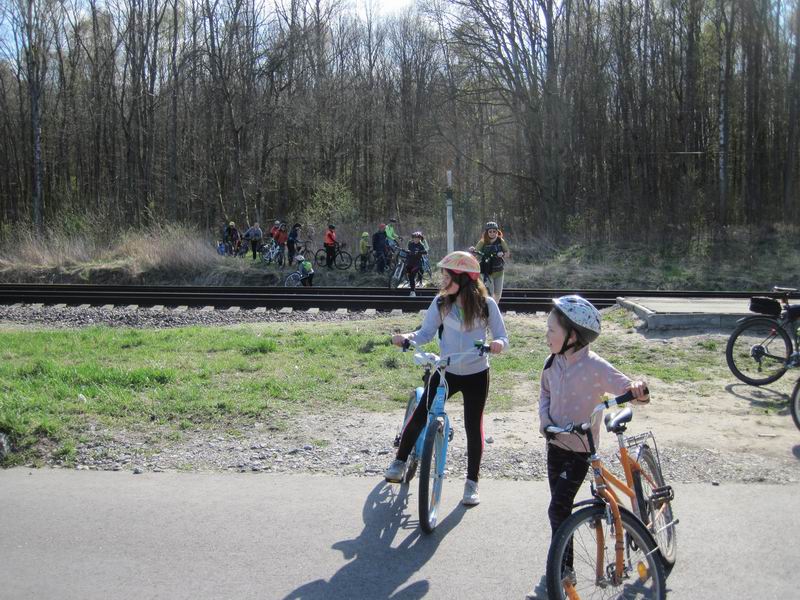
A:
x: 521, y: 300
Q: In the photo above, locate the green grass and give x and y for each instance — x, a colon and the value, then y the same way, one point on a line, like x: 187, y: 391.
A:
x: 54, y: 384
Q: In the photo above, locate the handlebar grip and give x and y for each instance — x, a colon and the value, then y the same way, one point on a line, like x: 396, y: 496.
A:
x: 623, y: 399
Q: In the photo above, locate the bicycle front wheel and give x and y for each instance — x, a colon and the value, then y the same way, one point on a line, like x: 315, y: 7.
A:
x: 430, y: 479
x: 757, y: 351
x: 343, y: 260
x: 653, y: 507
x: 292, y: 280
x: 794, y: 404
x: 582, y: 559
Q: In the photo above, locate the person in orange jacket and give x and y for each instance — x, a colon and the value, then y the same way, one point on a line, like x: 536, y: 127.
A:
x: 330, y: 246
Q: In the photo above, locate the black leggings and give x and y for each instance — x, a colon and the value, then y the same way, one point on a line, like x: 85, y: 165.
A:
x: 566, y: 471
x: 475, y: 389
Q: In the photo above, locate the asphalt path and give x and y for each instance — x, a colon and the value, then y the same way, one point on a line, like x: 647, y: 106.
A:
x: 85, y: 534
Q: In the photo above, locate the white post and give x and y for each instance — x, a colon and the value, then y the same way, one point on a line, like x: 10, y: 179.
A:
x: 449, y: 196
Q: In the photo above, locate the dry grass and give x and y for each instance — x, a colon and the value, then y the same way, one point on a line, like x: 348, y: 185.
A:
x: 87, y: 249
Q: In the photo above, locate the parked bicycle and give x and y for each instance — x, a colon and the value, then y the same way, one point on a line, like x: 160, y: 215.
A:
x: 365, y: 262
x: 763, y: 347
x: 341, y: 258
x: 605, y: 550
x: 430, y: 450
x: 272, y: 252
x: 398, y: 273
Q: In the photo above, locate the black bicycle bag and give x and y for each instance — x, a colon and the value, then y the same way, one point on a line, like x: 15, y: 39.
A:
x: 765, y: 305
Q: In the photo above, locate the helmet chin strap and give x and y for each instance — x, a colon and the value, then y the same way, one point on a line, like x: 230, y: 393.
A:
x: 566, y: 345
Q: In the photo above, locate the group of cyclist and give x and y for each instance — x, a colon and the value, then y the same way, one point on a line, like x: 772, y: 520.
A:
x: 574, y: 379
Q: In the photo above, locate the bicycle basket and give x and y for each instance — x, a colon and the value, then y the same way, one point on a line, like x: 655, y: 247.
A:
x: 764, y: 305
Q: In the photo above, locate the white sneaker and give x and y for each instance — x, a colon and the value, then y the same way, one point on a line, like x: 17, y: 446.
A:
x: 413, y: 294
x: 395, y: 472
x: 471, y: 497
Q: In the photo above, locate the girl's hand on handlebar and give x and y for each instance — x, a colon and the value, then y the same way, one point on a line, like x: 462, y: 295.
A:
x: 398, y: 339
x: 640, y: 395
x: 496, y: 347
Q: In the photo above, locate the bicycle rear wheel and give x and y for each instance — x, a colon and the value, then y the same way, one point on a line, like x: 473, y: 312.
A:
x: 430, y: 480
x: 343, y: 260
x: 586, y: 537
x: 320, y: 257
x: 794, y: 404
x: 757, y: 351
x: 654, y: 509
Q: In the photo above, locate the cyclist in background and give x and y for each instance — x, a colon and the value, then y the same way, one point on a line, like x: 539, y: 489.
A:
x: 281, y: 236
x: 391, y: 235
x: 462, y: 312
x: 363, y: 249
x: 414, y: 261
x: 330, y: 246
x: 293, y: 240
x: 255, y: 236
x: 495, y: 251
x: 232, y: 238
x: 380, y: 247
x: 574, y: 380
x: 274, y: 229
x: 306, y: 270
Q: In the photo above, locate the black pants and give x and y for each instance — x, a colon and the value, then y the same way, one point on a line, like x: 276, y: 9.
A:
x: 291, y: 251
x: 475, y: 389
x: 330, y: 254
x: 254, y: 245
x: 308, y: 280
x: 566, y: 471
x: 380, y: 262
x: 412, y: 277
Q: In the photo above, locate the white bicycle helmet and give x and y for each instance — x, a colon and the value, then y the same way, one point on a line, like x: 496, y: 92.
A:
x: 300, y: 258
x: 581, y: 315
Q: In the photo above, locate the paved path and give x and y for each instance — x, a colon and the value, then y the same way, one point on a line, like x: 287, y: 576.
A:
x: 69, y: 534
x: 688, y: 313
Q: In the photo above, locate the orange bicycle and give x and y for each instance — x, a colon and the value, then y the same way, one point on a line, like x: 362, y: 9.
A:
x: 604, y: 547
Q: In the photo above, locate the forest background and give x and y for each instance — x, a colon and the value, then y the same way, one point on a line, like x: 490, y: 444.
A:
x: 579, y: 125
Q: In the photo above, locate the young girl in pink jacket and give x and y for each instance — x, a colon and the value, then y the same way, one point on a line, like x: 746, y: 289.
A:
x: 574, y: 381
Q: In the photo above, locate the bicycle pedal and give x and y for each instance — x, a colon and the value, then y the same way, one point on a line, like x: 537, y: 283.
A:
x: 396, y: 443
x: 662, y: 494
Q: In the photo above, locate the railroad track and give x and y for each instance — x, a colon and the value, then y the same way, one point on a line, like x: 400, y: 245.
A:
x: 382, y: 299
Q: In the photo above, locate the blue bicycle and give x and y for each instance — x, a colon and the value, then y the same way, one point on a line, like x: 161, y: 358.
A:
x: 430, y: 450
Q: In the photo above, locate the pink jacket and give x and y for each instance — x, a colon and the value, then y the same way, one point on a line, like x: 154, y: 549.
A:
x: 570, y: 388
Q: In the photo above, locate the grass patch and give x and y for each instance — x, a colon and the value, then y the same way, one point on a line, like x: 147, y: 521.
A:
x: 196, y: 377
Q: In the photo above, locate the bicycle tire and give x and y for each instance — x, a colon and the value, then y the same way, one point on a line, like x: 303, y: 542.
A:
x: 794, y: 404
x: 659, y: 521
x: 343, y: 260
x: 320, y: 257
x: 740, y: 356
x: 430, y: 482
x: 579, y: 535
x: 293, y: 280
x: 397, y: 276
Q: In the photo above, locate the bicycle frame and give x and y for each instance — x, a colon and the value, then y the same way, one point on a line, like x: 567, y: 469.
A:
x: 603, y: 484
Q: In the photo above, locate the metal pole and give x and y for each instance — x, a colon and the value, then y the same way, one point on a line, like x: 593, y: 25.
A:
x: 449, y: 196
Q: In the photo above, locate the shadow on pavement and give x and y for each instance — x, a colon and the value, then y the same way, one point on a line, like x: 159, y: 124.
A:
x: 377, y: 569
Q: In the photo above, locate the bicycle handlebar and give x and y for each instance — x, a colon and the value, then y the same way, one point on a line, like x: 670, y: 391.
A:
x: 582, y: 428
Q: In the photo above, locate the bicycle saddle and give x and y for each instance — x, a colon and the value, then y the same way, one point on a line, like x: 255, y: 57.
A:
x: 615, y: 422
